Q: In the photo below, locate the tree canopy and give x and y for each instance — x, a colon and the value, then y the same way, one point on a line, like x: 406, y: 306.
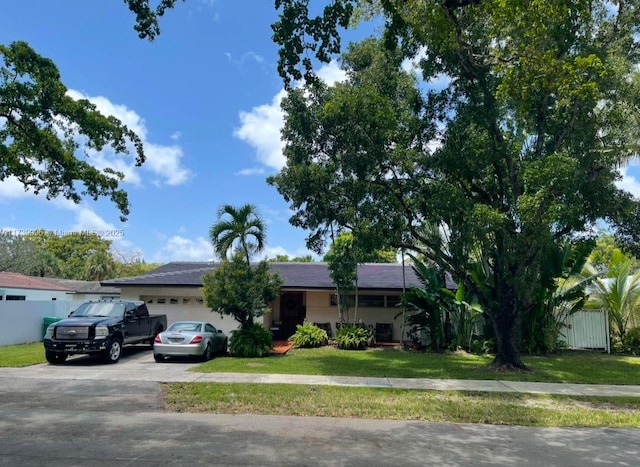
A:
x: 235, y: 230
x: 505, y: 141
x: 44, y: 131
x: 237, y: 287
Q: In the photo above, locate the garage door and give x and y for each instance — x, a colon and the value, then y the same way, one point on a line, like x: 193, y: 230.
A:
x: 188, y: 308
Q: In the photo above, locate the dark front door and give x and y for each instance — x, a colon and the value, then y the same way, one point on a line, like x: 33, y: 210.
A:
x: 292, y: 313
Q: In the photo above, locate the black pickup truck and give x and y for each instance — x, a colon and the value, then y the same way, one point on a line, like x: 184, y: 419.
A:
x: 102, y: 328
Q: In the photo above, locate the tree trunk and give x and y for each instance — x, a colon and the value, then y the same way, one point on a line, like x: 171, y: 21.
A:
x: 507, y: 325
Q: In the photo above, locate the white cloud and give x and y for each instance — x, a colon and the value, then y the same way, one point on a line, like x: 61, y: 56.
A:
x: 332, y: 73
x: 176, y: 135
x: 629, y: 182
x: 251, y: 171
x: 163, y: 161
x: 261, y: 126
x: 272, y: 252
x: 248, y: 56
x: 12, y: 189
x: 178, y: 248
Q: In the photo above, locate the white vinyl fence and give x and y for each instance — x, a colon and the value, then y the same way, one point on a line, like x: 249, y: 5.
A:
x: 588, y: 329
x: 21, y: 321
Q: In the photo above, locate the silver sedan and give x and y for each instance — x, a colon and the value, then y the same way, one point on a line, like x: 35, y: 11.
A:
x: 189, y: 339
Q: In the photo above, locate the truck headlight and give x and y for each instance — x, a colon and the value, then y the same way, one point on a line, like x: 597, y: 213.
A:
x: 102, y: 331
x: 49, y: 333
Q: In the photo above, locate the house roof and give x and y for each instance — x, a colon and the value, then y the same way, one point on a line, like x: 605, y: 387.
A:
x: 84, y: 287
x: 385, y: 276
x: 13, y: 280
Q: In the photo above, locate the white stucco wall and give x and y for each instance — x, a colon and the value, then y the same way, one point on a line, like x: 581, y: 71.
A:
x: 36, y: 294
x: 179, y: 304
x: 320, y: 310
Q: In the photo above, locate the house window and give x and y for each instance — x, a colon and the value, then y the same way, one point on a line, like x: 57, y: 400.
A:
x: 369, y: 301
x: 393, y: 300
x: 372, y: 301
x: 173, y: 301
x: 161, y: 301
x: 16, y: 297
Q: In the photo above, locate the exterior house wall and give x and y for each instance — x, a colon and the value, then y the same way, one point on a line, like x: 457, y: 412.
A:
x: 35, y: 294
x: 320, y: 310
x: 87, y: 297
x: 179, y: 304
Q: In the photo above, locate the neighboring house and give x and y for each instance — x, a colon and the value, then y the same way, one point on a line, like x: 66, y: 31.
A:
x: 14, y: 286
x: 175, y: 289
x: 84, y: 291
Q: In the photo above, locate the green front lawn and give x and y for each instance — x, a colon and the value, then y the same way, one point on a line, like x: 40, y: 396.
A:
x: 567, y: 367
x: 21, y: 355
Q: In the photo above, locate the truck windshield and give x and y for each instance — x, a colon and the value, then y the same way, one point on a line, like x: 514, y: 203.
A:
x: 100, y: 309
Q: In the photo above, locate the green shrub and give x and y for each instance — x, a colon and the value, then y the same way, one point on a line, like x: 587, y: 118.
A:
x: 256, y: 341
x: 631, y: 341
x: 308, y: 336
x: 352, y: 338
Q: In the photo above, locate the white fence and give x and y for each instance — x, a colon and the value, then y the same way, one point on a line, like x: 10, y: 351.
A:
x: 588, y: 329
x: 22, y: 321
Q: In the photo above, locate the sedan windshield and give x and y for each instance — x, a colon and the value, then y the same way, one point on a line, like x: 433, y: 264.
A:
x: 185, y: 326
x: 100, y: 309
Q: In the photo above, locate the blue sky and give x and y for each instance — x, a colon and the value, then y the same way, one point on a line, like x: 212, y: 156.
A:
x: 204, y: 96
x: 205, y: 99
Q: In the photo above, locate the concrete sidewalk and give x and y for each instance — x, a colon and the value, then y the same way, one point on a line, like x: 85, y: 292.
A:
x: 144, y: 369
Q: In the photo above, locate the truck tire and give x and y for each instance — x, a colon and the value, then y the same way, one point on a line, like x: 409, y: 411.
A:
x: 113, y: 352
x: 55, y: 358
x: 153, y: 338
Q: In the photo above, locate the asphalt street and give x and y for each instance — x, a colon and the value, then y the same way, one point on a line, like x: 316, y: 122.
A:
x: 50, y: 420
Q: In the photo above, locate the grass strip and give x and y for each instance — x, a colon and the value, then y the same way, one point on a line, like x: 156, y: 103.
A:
x: 401, y: 404
x: 565, y: 367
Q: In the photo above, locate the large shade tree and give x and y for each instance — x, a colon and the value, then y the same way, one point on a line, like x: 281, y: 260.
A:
x: 47, y: 137
x: 516, y: 152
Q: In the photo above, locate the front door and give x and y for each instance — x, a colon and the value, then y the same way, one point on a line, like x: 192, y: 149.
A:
x: 292, y: 313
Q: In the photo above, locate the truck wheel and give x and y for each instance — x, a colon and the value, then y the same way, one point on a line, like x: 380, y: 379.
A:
x: 153, y: 338
x: 113, y: 352
x: 55, y: 358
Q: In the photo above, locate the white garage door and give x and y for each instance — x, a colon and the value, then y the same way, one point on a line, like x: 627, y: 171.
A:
x: 188, y: 308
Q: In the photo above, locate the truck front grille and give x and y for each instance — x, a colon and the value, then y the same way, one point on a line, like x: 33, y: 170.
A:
x: 72, y: 332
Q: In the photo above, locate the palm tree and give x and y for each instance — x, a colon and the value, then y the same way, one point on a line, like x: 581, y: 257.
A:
x: 235, y: 231
x: 619, y: 294
x: 99, y: 265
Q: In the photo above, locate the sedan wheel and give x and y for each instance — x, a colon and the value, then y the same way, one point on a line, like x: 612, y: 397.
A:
x: 208, y: 353
x: 158, y: 358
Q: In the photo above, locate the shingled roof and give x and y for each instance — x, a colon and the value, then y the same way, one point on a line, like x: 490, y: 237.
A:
x: 308, y: 276
x: 84, y: 287
x: 13, y: 280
